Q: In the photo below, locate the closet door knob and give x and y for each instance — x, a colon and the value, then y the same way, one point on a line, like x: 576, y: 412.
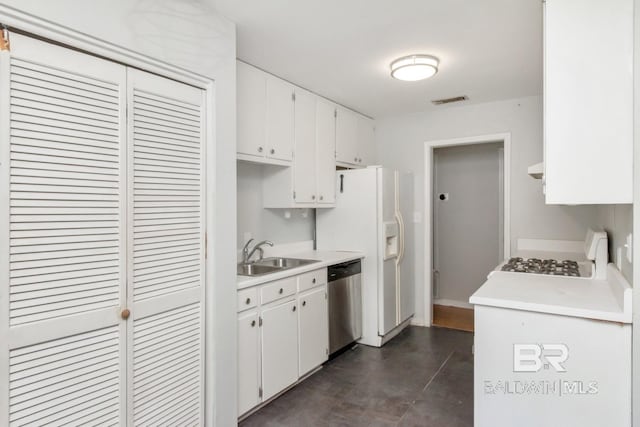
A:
x: 125, y: 313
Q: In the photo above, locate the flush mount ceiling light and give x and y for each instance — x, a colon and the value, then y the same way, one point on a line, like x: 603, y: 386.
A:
x: 414, y: 67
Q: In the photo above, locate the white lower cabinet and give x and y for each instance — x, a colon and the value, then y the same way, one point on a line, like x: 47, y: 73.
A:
x: 313, y: 333
x: 248, y: 361
x: 279, y: 348
x: 282, y: 338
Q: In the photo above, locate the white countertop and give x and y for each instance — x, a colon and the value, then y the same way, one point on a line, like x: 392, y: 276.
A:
x: 569, y: 296
x: 324, y: 258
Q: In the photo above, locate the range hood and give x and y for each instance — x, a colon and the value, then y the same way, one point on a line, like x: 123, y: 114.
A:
x: 536, y: 171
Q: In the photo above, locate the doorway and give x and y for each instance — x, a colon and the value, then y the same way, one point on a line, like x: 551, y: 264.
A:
x: 467, y: 210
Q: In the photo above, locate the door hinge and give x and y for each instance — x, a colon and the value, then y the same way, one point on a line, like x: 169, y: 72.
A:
x: 335, y: 113
x: 327, y: 351
x: 260, y: 392
x: 206, y: 239
x: 325, y: 295
x: 293, y: 97
x: 260, y: 321
x: 294, y: 195
x: 5, y: 45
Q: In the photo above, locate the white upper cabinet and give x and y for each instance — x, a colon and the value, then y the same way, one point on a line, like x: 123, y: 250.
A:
x: 346, y: 137
x: 252, y: 106
x: 366, y: 141
x: 280, y: 116
x: 265, y: 117
x: 588, y: 112
x: 354, y: 139
x: 310, y: 182
x: 304, y: 166
x: 326, y: 151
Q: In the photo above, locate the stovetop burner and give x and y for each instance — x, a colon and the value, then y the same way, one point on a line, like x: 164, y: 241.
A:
x: 542, y: 266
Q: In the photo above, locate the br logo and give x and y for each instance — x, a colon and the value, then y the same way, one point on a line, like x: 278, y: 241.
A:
x: 533, y: 357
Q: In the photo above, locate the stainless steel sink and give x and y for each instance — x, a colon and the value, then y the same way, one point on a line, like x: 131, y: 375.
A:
x: 284, y: 263
x: 255, y: 269
x: 271, y: 265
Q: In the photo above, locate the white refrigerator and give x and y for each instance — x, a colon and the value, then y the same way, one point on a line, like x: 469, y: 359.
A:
x: 372, y: 207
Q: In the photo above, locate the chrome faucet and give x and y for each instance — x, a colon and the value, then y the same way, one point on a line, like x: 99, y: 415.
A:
x: 246, y: 255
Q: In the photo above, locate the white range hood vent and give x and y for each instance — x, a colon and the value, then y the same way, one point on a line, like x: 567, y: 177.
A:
x: 536, y: 171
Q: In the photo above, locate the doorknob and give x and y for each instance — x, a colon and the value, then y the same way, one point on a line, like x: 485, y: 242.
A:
x: 125, y: 313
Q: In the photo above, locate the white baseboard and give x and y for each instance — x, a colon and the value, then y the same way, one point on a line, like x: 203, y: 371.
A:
x: 452, y: 303
x: 417, y: 322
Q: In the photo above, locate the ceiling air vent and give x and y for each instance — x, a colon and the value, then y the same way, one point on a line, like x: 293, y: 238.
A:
x: 450, y: 100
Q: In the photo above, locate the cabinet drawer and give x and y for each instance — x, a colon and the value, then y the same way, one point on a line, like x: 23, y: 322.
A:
x: 312, y: 279
x: 247, y: 298
x: 277, y: 290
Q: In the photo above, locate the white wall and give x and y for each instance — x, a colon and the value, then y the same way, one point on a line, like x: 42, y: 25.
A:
x: 400, y: 142
x: 264, y: 223
x: 192, y: 35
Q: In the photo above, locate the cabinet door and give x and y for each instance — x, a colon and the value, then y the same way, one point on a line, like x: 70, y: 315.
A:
x: 326, y: 151
x: 166, y: 249
x: 304, y: 165
x: 314, y: 329
x: 588, y: 114
x: 279, y: 348
x: 251, y: 110
x: 346, y: 136
x: 366, y: 141
x: 279, y: 119
x: 248, y: 361
x: 62, y: 247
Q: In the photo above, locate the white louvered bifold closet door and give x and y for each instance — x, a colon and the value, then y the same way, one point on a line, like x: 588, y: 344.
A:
x: 166, y: 243
x: 62, y: 242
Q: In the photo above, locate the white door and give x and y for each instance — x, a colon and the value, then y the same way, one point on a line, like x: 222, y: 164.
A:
x: 248, y: 361
x: 279, y: 348
x: 304, y: 165
x: 279, y: 119
x: 346, y: 136
x: 251, y: 108
x: 326, y: 151
x: 388, y: 292
x: 406, y: 263
x: 166, y: 251
x: 314, y: 327
x: 62, y: 246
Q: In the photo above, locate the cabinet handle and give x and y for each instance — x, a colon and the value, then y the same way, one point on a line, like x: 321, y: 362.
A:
x: 281, y: 291
x: 359, y: 160
x: 294, y: 308
x: 355, y: 160
x: 272, y: 151
x: 125, y: 313
x: 313, y: 197
x: 259, y: 149
x: 304, y: 303
x: 314, y: 280
x: 253, y: 323
x: 248, y: 301
x: 321, y: 197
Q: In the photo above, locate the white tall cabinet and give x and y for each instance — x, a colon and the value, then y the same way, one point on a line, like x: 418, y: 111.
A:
x: 101, y: 311
x: 588, y: 101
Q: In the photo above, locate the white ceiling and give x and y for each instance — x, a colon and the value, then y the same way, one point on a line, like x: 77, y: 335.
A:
x: 489, y: 49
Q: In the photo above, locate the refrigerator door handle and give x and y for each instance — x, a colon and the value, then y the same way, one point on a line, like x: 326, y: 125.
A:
x: 400, y: 221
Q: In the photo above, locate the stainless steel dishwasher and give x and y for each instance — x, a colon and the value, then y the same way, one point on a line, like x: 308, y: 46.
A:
x: 345, y: 304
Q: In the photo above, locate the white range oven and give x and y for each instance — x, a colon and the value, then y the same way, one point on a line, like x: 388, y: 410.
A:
x: 552, y: 344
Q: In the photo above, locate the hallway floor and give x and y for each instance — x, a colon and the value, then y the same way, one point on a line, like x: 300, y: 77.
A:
x: 423, y: 377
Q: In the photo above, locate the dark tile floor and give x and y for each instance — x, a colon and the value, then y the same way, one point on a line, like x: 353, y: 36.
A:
x: 423, y: 377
